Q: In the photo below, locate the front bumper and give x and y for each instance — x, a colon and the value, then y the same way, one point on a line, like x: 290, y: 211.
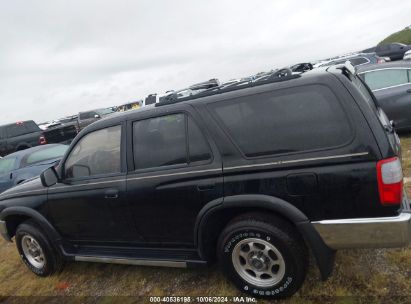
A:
x: 384, y: 232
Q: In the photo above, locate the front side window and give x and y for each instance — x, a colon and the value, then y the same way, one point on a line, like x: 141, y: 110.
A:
x: 96, y: 153
x: 284, y: 121
x: 168, y: 140
x: 7, y: 164
x: 386, y: 78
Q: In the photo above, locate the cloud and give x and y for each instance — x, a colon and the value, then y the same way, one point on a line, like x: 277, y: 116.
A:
x: 59, y: 57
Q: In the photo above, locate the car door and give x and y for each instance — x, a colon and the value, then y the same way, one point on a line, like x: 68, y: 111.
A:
x: 174, y: 170
x: 392, y: 88
x: 7, y: 167
x: 90, y: 203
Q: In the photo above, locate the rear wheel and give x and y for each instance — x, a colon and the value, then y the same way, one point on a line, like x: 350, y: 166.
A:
x: 263, y: 256
x: 36, y: 251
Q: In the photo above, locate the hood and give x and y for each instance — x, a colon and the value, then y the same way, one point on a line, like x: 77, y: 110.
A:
x: 30, y: 187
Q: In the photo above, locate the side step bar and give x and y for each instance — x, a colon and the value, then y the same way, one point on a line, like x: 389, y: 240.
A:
x: 160, y: 263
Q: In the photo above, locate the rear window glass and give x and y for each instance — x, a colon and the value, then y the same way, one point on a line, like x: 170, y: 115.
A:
x: 22, y: 128
x: 285, y: 121
x: 358, y: 61
x: 45, y: 154
x: 386, y: 78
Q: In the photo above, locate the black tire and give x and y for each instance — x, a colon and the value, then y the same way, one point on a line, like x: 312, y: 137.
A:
x: 270, y: 233
x: 53, y: 262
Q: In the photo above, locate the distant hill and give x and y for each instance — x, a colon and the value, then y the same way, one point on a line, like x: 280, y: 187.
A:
x: 403, y: 36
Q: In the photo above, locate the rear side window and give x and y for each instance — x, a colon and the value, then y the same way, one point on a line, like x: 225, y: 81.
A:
x: 285, y: 121
x: 22, y: 128
x: 168, y: 140
x: 386, y: 78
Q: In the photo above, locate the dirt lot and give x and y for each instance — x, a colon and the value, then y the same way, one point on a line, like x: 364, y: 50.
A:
x: 360, y: 276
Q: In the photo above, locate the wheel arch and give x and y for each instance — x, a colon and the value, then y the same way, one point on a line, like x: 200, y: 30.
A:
x: 14, y: 216
x: 214, y: 216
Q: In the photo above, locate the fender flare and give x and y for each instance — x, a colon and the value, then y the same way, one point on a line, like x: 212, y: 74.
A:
x: 322, y: 253
x: 36, y: 216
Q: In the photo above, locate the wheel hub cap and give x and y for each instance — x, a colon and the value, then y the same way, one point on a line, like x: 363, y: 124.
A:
x: 33, y: 251
x: 258, y: 262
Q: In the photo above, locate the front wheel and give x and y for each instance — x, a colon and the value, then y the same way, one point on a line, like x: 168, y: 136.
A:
x: 263, y: 256
x: 36, y: 251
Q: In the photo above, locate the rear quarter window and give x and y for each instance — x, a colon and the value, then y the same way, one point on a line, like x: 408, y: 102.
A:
x: 292, y: 120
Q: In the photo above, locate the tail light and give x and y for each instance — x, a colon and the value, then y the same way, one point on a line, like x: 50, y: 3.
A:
x: 380, y: 60
x: 42, y: 140
x: 390, y: 184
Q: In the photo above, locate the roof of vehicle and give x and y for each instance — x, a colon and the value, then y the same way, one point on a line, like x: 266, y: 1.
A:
x: 385, y: 65
x: 309, y: 77
x: 22, y: 153
x: 18, y: 122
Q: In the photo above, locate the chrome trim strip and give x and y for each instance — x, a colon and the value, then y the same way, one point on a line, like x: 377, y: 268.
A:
x: 158, y: 263
x: 3, y: 231
x: 18, y: 194
x: 140, y: 178
x: 87, y: 184
x: 381, y: 232
x: 382, y: 69
x: 175, y: 174
x: 280, y: 162
x: 390, y: 87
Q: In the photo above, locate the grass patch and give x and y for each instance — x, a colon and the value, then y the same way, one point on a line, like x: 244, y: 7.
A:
x: 403, y: 36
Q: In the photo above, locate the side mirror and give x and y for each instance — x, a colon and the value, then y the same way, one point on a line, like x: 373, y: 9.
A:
x: 81, y: 171
x: 49, y: 177
x: 96, y: 116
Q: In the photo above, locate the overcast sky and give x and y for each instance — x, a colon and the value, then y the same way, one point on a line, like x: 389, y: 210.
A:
x: 60, y: 57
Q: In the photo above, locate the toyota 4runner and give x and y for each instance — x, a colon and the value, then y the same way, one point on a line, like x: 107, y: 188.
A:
x: 255, y: 175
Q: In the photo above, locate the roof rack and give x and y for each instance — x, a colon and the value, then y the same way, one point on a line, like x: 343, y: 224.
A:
x: 347, y: 68
x: 266, y: 78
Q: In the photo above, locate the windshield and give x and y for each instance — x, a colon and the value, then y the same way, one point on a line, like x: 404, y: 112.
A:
x: 7, y: 165
x: 104, y: 112
x: 44, y: 155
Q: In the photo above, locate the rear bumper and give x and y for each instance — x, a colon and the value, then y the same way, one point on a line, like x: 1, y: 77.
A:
x: 384, y: 232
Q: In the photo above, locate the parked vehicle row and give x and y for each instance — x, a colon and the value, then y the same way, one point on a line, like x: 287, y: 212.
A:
x: 86, y: 118
x: 20, y: 166
x: 26, y: 134
x: 255, y: 175
x: 395, y: 51
x: 391, y: 85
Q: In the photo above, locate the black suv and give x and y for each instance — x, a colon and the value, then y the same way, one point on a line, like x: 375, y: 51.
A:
x: 255, y: 176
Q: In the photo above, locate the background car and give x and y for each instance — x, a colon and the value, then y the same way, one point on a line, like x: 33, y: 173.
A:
x: 87, y: 118
x: 356, y: 60
x: 391, y: 85
x: 407, y: 55
x: 23, y: 165
x: 395, y: 51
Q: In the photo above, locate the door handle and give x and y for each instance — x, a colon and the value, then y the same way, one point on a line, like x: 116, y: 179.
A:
x: 205, y: 187
x: 111, y: 194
